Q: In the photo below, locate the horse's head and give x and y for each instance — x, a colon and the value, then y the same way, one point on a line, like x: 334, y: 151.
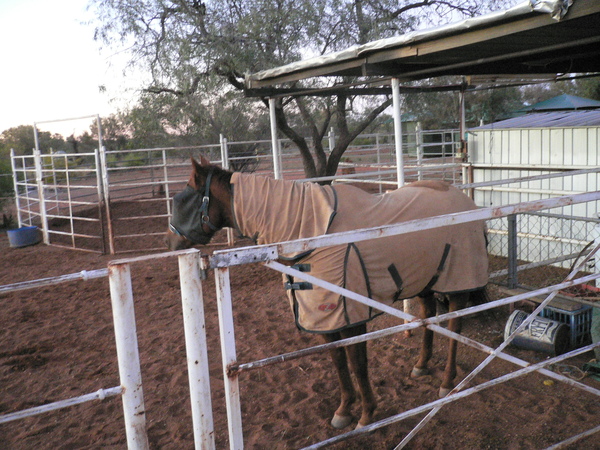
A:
x: 202, y: 208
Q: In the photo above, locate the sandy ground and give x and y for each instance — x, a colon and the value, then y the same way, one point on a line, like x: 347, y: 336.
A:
x: 57, y: 342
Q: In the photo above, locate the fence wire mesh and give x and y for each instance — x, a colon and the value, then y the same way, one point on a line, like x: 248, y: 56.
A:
x: 539, y: 249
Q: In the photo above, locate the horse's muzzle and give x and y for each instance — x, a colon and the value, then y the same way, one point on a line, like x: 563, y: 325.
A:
x: 177, y: 242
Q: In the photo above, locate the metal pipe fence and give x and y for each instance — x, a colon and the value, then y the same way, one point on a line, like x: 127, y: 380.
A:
x: 118, y: 201
x: 191, y: 267
x: 130, y: 205
x: 222, y: 260
x: 129, y: 369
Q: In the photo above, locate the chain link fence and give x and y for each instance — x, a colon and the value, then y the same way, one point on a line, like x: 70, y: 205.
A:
x: 538, y: 249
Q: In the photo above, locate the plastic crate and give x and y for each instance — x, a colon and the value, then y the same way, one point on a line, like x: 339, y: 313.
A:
x: 579, y: 321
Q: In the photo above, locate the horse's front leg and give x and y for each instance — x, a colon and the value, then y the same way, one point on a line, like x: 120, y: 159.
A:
x: 427, y: 310
x: 357, y: 355
x: 455, y: 302
x: 342, y: 416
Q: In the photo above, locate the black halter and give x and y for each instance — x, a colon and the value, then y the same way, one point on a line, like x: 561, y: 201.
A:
x: 190, y: 213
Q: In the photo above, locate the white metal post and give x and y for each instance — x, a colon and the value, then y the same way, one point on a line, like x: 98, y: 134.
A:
x: 331, y: 139
x: 166, y: 180
x: 37, y: 158
x: 99, y: 124
x: 398, y: 131
x: 69, y: 196
x: 16, y: 185
x: 53, y: 156
x: 378, y: 148
x: 596, y: 236
x: 275, y: 141
x: 225, y: 165
x: 419, y: 142
x: 121, y: 295
x: 227, y: 332
x: 36, y: 139
x: 106, y: 199
x: 463, y: 125
x: 99, y: 191
x: 197, y: 355
x: 224, y: 152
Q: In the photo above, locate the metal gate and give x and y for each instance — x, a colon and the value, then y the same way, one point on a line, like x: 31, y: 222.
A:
x: 62, y: 194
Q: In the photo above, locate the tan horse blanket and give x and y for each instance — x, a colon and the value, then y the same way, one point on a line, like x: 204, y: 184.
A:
x: 444, y: 260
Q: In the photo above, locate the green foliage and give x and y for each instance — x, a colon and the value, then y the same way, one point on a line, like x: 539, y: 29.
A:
x: 22, y: 140
x: 133, y: 159
x: 491, y: 105
x: 6, y: 180
x: 198, y: 53
x: 589, y: 87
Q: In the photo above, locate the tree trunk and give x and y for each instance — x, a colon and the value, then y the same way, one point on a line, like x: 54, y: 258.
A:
x: 317, y: 163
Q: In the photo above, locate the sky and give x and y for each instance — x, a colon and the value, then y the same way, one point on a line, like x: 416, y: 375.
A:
x: 51, y: 68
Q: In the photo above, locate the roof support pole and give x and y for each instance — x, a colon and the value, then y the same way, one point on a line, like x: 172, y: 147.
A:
x: 398, y: 131
x: 274, y: 141
x: 463, y: 127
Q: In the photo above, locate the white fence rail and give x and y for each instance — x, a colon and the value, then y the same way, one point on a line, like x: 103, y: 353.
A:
x: 190, y: 265
x: 222, y: 260
x: 126, y: 347
x: 104, y: 197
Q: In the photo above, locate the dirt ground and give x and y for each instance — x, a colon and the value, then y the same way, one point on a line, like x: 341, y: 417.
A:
x: 57, y: 342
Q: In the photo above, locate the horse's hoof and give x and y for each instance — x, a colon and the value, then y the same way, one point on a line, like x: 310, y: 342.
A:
x: 340, y: 422
x: 416, y: 372
x: 359, y: 426
x: 444, y: 392
x: 407, y: 333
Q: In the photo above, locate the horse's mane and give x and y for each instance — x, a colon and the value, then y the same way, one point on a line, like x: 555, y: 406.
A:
x: 222, y: 175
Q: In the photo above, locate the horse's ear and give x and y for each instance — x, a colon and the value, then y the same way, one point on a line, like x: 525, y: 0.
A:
x: 195, y: 166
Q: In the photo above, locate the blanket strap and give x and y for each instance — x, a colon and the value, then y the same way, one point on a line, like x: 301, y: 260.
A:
x: 301, y: 285
x: 438, y: 272
x: 397, y: 281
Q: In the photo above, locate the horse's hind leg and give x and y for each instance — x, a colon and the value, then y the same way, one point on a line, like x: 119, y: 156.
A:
x: 342, y: 416
x: 357, y: 355
x: 456, y: 302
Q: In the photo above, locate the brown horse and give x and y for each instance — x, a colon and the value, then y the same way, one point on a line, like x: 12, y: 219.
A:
x: 451, y: 260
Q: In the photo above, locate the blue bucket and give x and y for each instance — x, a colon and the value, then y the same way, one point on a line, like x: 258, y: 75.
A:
x: 24, y: 236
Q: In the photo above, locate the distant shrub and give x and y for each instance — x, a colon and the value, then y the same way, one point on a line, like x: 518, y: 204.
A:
x: 6, y: 180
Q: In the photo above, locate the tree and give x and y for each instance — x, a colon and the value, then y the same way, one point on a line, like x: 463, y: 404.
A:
x: 492, y: 104
x: 198, y: 52
x: 589, y: 87
x: 22, y: 140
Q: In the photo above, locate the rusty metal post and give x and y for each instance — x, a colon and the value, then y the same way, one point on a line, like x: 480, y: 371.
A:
x: 513, y: 250
x: 121, y: 295
x: 196, y: 347
x: 232, y: 390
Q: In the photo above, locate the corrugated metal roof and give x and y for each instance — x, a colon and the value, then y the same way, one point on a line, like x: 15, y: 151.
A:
x: 563, y: 102
x: 523, y: 40
x: 555, y: 119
